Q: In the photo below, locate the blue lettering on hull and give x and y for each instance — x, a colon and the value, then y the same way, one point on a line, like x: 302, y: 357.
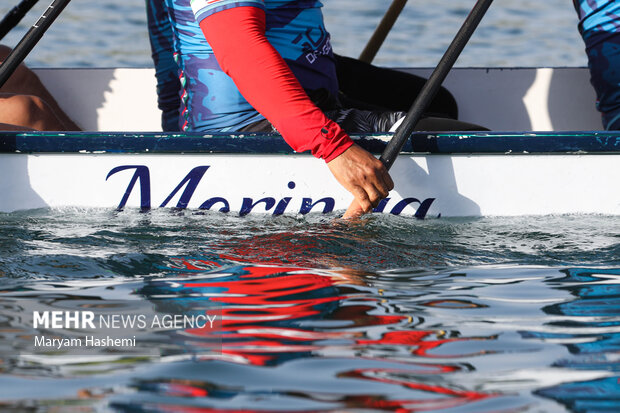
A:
x: 190, y: 182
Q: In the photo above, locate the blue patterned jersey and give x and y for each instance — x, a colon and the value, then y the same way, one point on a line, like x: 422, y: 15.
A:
x: 210, y: 101
x: 597, y: 16
x: 599, y: 25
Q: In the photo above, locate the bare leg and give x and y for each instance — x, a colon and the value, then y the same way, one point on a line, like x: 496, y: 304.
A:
x: 27, y: 112
x: 9, y: 127
x: 25, y: 82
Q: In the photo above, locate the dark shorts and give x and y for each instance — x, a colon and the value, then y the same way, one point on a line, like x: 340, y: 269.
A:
x: 603, y: 51
x: 372, y: 99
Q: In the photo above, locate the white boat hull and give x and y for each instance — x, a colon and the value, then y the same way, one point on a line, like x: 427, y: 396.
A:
x: 429, y: 185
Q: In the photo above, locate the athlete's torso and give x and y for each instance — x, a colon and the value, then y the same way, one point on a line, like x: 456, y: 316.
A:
x: 294, y: 28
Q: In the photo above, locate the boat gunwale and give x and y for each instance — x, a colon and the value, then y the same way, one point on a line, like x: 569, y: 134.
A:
x: 566, y: 142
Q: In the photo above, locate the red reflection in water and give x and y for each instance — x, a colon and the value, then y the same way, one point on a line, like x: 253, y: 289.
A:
x: 416, y: 339
x: 274, y: 314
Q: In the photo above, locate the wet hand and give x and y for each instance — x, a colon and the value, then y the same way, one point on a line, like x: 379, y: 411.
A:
x: 364, y: 176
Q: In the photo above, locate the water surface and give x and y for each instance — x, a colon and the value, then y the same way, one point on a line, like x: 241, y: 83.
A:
x: 387, y: 314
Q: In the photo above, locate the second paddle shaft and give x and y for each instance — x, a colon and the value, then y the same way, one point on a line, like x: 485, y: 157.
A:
x: 382, y: 30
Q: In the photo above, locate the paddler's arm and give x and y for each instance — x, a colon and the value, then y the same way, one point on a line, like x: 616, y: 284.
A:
x: 237, y: 37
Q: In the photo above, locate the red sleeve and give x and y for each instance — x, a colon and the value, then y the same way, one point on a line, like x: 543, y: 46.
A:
x: 237, y: 37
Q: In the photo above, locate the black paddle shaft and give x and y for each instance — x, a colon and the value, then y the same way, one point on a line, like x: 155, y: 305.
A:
x: 30, y: 39
x: 432, y: 85
x: 14, y: 16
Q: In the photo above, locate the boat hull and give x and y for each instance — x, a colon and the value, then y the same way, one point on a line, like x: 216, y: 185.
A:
x: 258, y: 174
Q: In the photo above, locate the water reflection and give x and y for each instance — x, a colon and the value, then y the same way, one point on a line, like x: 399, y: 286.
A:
x: 275, y: 315
x: 593, y: 320
x: 294, y: 338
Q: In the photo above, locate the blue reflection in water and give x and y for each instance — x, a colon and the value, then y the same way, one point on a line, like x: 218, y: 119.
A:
x: 593, y: 318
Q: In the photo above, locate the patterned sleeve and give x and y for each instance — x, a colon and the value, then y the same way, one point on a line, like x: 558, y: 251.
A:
x: 205, y: 8
x: 268, y: 83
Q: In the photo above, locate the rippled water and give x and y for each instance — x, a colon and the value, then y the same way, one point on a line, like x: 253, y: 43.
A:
x: 94, y: 33
x: 387, y: 314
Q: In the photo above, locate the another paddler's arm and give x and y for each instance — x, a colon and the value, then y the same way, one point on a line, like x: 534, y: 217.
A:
x: 237, y: 36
